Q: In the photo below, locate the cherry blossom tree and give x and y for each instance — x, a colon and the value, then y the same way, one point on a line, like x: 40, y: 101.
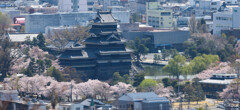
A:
x: 164, y: 92
x: 121, y: 88
x: 223, y: 67
x: 48, y: 87
x: 28, y: 53
x: 232, y: 92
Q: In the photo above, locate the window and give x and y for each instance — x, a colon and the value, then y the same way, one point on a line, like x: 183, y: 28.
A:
x: 90, y: 9
x: 214, y: 3
x: 78, y: 108
x: 90, y: 3
x: 165, y: 13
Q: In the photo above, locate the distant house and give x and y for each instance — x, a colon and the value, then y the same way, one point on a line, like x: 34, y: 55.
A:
x: 9, y: 98
x: 143, y: 101
x: 88, y: 104
x: 69, y: 106
x: 216, y: 83
x: 98, y: 105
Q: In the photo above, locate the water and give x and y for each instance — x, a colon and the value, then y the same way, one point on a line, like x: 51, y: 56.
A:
x: 155, y: 72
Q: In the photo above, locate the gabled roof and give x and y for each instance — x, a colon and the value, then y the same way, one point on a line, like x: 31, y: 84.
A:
x: 105, y: 17
x: 144, y: 97
x: 73, y: 44
x: 111, y: 37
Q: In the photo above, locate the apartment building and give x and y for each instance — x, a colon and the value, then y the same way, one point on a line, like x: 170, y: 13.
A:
x: 72, y: 5
x: 226, y: 20
x: 157, y: 16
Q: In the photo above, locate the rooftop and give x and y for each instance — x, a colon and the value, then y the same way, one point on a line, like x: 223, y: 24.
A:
x: 21, y: 37
x: 143, y: 96
x: 105, y: 17
x: 215, y: 81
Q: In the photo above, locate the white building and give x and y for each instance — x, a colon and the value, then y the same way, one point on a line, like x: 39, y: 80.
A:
x: 231, y: 1
x: 226, y: 20
x: 215, y: 5
x: 72, y: 5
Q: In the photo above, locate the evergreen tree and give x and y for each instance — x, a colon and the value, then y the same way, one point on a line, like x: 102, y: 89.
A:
x: 116, y: 78
x: 41, y: 41
x: 138, y: 79
x: 53, y: 72
x: 35, y: 42
x: 5, y: 56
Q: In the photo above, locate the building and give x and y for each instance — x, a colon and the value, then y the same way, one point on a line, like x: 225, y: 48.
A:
x: 72, y: 5
x: 143, y: 101
x: 215, y: 5
x: 216, y: 84
x: 93, y: 103
x: 11, y: 101
x: 88, y: 104
x: 21, y: 37
x: 104, y: 51
x: 36, y: 23
x: 226, y: 20
x: 157, y: 16
x: 161, y: 38
x: 231, y: 32
x: 52, y: 2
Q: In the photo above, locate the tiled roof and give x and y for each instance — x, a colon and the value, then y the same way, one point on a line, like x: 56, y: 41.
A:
x: 106, y: 16
x: 143, y: 96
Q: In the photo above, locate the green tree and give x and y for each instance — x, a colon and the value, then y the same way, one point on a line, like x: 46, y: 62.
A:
x: 5, y: 21
x: 32, y: 66
x: 41, y: 41
x: 200, y: 95
x: 147, y: 85
x: 190, y: 49
x: 54, y: 98
x: 5, y: 56
x: 201, y: 26
x: 116, y: 78
x: 166, y: 82
x: 126, y: 78
x: 173, y: 52
x: 53, y: 72
x: 138, y: 79
x: 140, y: 47
x: 156, y: 58
x: 201, y: 63
x: 189, y: 92
x: 186, y: 70
x: 40, y: 66
x: 193, y: 25
x: 165, y: 54
x: 27, y: 72
x: 175, y: 65
x: 28, y: 40
x: 34, y: 42
x: 136, y: 18
x: 48, y: 63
